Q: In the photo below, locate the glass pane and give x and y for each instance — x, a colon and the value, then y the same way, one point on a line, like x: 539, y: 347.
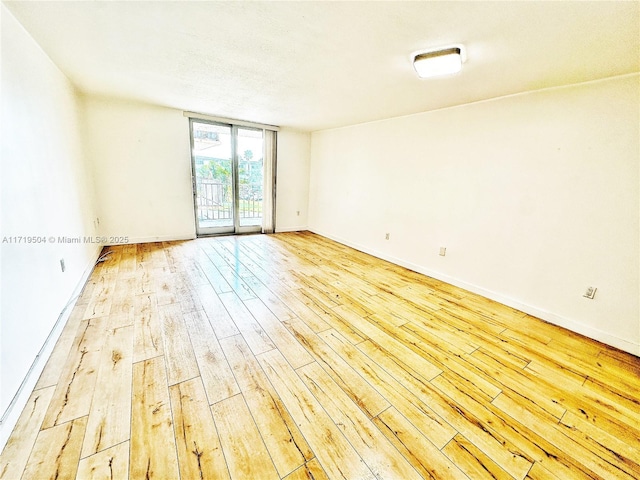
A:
x: 212, y: 160
x: 250, y: 175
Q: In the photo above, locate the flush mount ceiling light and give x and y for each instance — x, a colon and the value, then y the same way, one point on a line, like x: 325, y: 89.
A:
x: 438, y: 62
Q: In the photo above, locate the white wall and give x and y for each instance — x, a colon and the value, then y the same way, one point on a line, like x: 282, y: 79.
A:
x: 292, y: 188
x: 535, y: 197
x: 46, y: 192
x: 142, y: 169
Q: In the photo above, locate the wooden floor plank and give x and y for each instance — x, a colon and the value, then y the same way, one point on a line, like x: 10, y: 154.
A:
x: 362, y: 393
x: 87, y: 290
x: 303, y: 312
x: 455, y: 414
x: 199, y: 452
x: 587, y: 433
x: 109, y: 421
x: 145, y: 283
x: 333, y: 319
x: 441, y: 335
x: 251, y: 330
x: 123, y: 297
x: 153, y: 444
x: 217, y: 281
x: 74, y: 391
x: 109, y: 464
x: 179, y: 355
x: 538, y: 472
x: 520, y: 381
x: 625, y: 405
x: 246, y: 368
x: 235, y: 281
x: 101, y: 296
x: 147, y: 341
x: 592, y: 460
x: 309, y: 471
x: 244, y: 450
x: 557, y: 375
x: 527, y: 337
x: 292, y: 350
x: 426, y: 458
x: 422, y: 417
x: 516, y: 437
x: 283, y: 439
x: 378, y: 453
x: 445, y: 360
x: 194, y: 273
x: 217, y: 376
x: 336, y: 456
x: 396, y: 348
x: 622, y: 360
x: 165, y: 288
x: 56, y: 362
x: 472, y: 461
x: 56, y: 452
x: 284, y: 442
x: 277, y: 307
x: 16, y: 452
x: 219, y: 318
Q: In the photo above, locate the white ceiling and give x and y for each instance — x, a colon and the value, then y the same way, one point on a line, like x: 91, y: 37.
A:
x: 316, y: 65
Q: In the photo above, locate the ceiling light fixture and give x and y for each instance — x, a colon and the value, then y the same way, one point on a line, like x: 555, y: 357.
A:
x: 442, y: 61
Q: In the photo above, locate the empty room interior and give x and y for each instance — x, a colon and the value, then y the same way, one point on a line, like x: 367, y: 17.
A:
x: 320, y: 240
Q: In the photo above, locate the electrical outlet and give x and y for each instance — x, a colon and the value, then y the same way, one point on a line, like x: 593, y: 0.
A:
x: 386, y: 236
x: 590, y: 292
x: 62, y: 267
x: 443, y: 251
x: 298, y: 213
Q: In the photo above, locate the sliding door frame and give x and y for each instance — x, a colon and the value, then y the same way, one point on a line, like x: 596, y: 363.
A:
x: 236, y: 228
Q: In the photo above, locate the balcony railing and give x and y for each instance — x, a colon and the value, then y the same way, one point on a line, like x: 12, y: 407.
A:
x: 214, y: 200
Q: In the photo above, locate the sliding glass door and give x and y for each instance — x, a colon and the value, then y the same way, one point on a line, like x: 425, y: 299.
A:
x: 228, y: 177
x: 250, y: 172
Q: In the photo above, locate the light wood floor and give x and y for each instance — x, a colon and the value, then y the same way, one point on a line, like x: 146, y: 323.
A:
x: 291, y: 356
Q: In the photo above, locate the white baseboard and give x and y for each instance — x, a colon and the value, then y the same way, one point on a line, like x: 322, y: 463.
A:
x: 162, y: 238
x: 291, y: 229
x: 559, y: 320
x: 14, y: 410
